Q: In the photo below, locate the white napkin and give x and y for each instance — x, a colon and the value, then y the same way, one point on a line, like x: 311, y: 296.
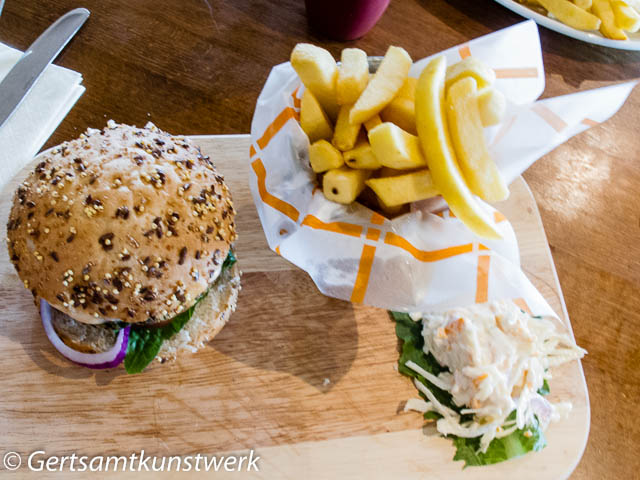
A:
x: 39, y: 114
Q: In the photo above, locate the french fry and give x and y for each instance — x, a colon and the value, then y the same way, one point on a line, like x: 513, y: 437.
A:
x: 361, y: 156
x: 401, y: 189
x: 396, y: 148
x: 353, y: 75
x: 470, y: 67
x: 391, y: 212
x: 626, y: 17
x: 372, y: 123
x: 390, y: 172
x: 436, y: 145
x: 402, y: 112
x: 345, y: 133
x: 323, y: 156
x: 318, y: 71
x: 343, y: 185
x: 466, y: 130
x: 570, y: 14
x: 583, y: 4
x: 492, y: 104
x: 408, y: 89
x: 608, y: 27
x: 383, y: 86
x: 368, y: 198
x: 313, y: 120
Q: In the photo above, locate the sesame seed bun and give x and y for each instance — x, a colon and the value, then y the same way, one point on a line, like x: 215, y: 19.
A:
x: 125, y: 223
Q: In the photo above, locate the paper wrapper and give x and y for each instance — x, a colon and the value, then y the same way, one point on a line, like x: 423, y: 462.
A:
x: 423, y: 260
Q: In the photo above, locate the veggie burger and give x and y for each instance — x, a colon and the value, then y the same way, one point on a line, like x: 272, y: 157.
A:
x: 124, y: 237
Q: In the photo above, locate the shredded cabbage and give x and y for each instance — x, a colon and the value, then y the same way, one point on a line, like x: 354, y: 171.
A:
x: 497, y: 359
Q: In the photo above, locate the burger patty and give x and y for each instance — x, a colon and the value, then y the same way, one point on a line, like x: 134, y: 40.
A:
x: 98, y: 338
x: 84, y: 337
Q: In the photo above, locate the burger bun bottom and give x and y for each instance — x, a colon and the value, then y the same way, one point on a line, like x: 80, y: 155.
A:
x: 209, y: 316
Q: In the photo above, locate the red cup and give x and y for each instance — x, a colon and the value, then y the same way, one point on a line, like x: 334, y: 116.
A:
x: 344, y: 19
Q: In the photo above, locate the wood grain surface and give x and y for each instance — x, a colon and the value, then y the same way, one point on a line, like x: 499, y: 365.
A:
x: 296, y: 375
x: 197, y: 66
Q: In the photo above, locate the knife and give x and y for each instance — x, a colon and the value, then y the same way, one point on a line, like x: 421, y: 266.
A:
x: 36, y: 58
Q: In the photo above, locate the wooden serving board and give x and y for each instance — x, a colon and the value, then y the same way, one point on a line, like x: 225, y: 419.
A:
x: 307, y: 381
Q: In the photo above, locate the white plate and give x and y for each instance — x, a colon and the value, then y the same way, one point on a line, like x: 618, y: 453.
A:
x: 590, y: 36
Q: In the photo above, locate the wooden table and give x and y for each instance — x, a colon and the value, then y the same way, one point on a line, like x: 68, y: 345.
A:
x: 197, y: 67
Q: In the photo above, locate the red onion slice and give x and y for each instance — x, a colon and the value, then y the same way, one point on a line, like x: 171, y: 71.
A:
x: 109, y: 359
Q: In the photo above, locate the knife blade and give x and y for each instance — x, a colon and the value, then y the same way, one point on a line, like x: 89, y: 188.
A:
x: 24, y: 74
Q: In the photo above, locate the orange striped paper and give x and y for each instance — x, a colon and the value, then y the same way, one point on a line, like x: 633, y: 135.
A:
x: 364, y: 272
x: 522, y: 304
x: 274, y: 202
x: 498, y: 217
x: 336, y: 227
x: 464, y: 51
x: 377, y: 219
x: 296, y: 100
x: 557, y: 123
x: 525, y: 72
x: 283, y: 117
x: 426, y: 255
x: 482, y: 281
x: 373, y: 234
x: 503, y: 130
x: 590, y: 123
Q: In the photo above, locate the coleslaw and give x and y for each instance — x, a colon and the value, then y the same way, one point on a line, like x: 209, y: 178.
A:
x: 498, y: 359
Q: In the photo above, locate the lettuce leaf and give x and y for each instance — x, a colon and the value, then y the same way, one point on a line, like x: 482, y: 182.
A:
x: 229, y: 261
x: 500, y: 449
x: 410, y: 333
x: 467, y: 449
x: 544, y: 389
x: 144, y: 342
